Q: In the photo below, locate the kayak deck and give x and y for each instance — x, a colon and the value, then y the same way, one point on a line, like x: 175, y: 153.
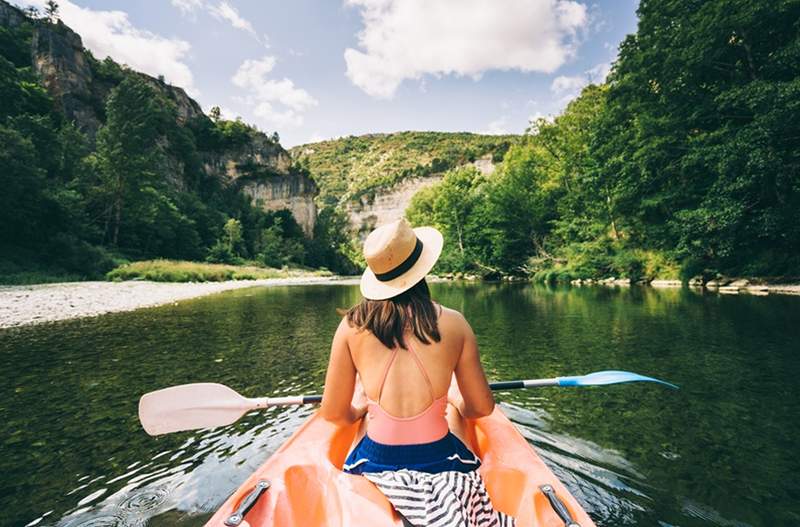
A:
x: 307, y: 486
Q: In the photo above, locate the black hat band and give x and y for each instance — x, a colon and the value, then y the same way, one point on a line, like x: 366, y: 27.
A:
x: 404, y: 266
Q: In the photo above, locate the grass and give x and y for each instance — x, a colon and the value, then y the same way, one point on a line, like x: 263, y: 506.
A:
x: 184, y: 271
x: 18, y: 267
x: 39, y: 277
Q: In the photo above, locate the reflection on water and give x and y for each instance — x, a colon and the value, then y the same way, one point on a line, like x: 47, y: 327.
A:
x: 718, y: 452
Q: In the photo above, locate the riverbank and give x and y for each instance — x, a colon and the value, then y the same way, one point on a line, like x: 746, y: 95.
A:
x: 758, y: 287
x: 21, y: 305
x: 754, y: 286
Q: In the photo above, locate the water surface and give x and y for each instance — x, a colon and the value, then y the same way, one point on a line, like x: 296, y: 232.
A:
x: 721, y: 451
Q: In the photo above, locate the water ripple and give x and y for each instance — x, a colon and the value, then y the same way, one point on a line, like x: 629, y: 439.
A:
x: 146, y: 500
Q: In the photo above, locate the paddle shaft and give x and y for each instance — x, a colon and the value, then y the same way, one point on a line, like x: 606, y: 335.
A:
x: 206, y: 405
x: 495, y: 386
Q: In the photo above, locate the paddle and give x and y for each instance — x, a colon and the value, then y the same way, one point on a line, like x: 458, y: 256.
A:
x: 206, y: 405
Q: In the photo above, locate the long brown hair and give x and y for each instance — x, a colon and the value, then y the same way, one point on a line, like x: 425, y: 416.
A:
x: 388, y: 319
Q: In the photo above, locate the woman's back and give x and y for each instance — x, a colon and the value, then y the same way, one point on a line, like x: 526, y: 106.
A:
x: 402, y: 390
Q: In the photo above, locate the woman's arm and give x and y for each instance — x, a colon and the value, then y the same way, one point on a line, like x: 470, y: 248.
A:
x: 476, y: 397
x: 338, y: 404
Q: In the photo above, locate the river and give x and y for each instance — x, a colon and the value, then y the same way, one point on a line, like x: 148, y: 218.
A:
x: 720, y: 451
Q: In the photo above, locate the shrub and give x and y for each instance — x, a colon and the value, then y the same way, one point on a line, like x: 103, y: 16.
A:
x: 183, y: 271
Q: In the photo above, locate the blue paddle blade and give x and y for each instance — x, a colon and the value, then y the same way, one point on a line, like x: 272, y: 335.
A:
x: 608, y: 377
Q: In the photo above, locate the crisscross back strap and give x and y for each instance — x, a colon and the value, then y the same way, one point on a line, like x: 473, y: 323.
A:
x: 386, y: 373
x: 419, y: 364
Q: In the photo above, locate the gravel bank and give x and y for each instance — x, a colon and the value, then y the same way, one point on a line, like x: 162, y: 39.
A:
x: 33, y: 304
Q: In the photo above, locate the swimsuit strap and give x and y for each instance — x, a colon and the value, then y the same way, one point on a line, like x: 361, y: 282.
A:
x: 386, y: 373
x: 422, y: 369
x: 419, y: 364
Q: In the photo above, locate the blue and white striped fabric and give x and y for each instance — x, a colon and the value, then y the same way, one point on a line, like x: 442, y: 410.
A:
x: 446, y: 499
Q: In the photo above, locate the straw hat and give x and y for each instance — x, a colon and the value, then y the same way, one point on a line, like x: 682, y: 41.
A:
x: 397, y: 258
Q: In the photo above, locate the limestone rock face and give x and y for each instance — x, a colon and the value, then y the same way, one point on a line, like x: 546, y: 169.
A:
x: 10, y: 16
x: 262, y: 170
x: 294, y: 192
x: 386, y: 205
x: 389, y: 204
x: 258, y: 156
x: 59, y: 60
x: 485, y: 165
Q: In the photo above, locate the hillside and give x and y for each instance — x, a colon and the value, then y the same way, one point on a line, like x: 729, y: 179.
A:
x: 348, y: 168
x: 101, y: 162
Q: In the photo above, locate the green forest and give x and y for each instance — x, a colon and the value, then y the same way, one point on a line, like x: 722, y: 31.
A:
x: 75, y: 206
x: 686, y: 162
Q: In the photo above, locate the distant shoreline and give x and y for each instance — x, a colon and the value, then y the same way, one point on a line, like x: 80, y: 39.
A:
x: 23, y: 305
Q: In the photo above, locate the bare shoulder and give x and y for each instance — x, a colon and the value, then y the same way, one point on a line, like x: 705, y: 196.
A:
x: 345, y: 329
x: 452, y: 320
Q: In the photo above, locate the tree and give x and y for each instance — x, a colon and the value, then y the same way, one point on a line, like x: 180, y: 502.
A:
x: 699, y: 137
x: 585, y: 204
x: 130, y: 152
x: 233, y: 235
x: 21, y: 202
x: 455, y: 207
x: 215, y: 113
x: 51, y: 10
x: 519, y: 207
x: 32, y: 12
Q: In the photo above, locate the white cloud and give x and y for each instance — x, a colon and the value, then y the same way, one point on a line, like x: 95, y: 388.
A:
x: 598, y: 74
x: 252, y: 72
x: 187, y: 6
x: 568, y: 85
x: 533, y: 121
x: 497, y: 127
x: 567, y: 88
x: 406, y: 39
x: 225, y: 11
x: 111, y: 33
x: 277, y: 103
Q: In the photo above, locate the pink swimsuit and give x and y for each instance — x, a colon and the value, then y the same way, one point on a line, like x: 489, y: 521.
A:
x: 426, y: 427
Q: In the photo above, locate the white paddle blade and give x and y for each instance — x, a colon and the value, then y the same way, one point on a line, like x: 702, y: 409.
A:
x: 190, y: 407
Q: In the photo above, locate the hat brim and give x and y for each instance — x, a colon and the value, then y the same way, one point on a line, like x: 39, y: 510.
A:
x: 432, y: 243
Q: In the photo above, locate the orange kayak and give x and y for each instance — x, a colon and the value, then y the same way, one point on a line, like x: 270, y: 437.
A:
x: 302, y: 483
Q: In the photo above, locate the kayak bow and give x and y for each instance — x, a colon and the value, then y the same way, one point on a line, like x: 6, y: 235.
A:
x: 302, y: 483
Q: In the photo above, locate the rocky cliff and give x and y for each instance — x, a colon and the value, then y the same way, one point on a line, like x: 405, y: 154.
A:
x: 293, y: 192
x: 69, y: 73
x: 385, y: 205
x: 79, y: 85
x: 263, y: 171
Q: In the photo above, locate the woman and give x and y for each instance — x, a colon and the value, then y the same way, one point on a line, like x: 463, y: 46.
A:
x: 393, y: 358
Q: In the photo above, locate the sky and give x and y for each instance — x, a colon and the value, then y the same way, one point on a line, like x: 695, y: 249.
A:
x: 320, y: 69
